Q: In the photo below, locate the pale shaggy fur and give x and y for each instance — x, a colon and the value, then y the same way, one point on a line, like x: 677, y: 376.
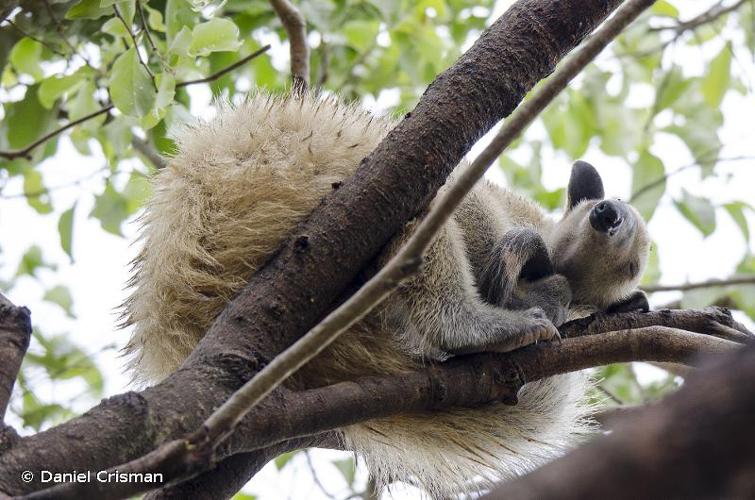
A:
x: 234, y: 190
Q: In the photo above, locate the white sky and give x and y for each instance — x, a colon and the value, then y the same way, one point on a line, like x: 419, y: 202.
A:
x: 97, y: 276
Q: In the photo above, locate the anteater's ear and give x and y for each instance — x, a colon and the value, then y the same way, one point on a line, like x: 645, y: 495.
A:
x: 584, y: 184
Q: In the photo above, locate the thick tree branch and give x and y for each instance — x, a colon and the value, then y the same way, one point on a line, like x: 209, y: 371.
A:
x: 461, y: 382
x: 26, y: 151
x: 311, y: 270
x: 698, y: 443
x: 715, y: 321
x: 682, y: 287
x: 296, y: 28
x: 15, y: 335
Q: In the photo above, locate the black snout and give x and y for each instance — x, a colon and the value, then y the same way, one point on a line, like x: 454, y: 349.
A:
x: 606, y: 216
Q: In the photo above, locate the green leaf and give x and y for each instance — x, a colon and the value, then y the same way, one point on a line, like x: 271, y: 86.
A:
x: 648, y: 183
x: 698, y: 211
x: 155, y: 19
x: 652, y: 273
x: 65, y: 229
x: 215, y: 35
x: 136, y: 192
x: 87, y: 9
x: 32, y: 261
x: 115, y: 28
x: 111, y: 209
x: 25, y: 57
x: 744, y: 297
x: 282, y: 460
x: 126, y: 8
x: 131, y: 86
x: 243, y: 496
x: 181, y: 42
x: 716, y: 82
x: 54, y: 87
x: 35, y: 413
x: 166, y: 90
x: 700, y: 131
x: 83, y: 104
x: 178, y: 15
x: 22, y: 130
x: 36, y: 193
x: 664, y: 8
x: 736, y: 210
x: 673, y: 85
x: 61, y: 296
x: 347, y: 469
x: 361, y: 34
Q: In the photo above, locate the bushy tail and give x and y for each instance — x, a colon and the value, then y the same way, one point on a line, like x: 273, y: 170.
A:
x: 447, y: 452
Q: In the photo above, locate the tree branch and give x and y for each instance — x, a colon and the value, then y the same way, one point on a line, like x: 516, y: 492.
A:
x: 149, y: 152
x: 15, y: 335
x: 706, y: 17
x: 227, y: 69
x: 697, y: 443
x: 142, y: 62
x: 735, y: 280
x: 462, y: 382
x: 25, y: 152
x: 715, y: 321
x: 296, y: 28
x: 660, y: 180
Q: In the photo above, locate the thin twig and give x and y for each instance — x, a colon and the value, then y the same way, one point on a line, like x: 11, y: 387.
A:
x: 228, y: 69
x: 145, y: 27
x: 24, y: 153
x: 706, y: 17
x: 48, y: 190
x: 316, y: 479
x: 736, y: 280
x: 39, y: 41
x: 296, y: 28
x: 136, y: 46
x: 61, y: 32
x: 660, y: 180
x: 609, y: 394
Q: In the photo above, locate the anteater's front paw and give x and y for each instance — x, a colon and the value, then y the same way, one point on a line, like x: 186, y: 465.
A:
x: 533, y: 327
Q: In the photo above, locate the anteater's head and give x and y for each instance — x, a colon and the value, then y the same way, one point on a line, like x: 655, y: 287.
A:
x: 601, y: 245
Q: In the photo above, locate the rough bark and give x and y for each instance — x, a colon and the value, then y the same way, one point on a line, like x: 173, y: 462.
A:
x: 698, y: 443
x: 289, y: 295
x: 15, y: 334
